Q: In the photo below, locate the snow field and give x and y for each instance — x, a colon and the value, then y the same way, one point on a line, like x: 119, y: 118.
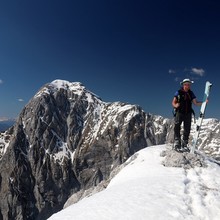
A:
x: 145, y: 189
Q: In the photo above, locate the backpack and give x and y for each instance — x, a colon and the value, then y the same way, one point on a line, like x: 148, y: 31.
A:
x: 185, y: 100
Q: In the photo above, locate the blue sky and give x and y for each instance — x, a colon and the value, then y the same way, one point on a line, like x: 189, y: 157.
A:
x: 131, y: 51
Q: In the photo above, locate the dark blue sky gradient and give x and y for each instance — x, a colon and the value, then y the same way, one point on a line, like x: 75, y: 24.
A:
x: 131, y: 51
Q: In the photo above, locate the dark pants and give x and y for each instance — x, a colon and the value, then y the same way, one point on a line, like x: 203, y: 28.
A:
x: 186, y: 120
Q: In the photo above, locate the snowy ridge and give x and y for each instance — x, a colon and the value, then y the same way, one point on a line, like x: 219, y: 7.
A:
x: 114, y: 110
x: 145, y: 189
x: 74, y: 87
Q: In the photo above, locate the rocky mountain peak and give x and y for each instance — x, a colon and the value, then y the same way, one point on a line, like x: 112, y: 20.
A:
x: 72, y: 89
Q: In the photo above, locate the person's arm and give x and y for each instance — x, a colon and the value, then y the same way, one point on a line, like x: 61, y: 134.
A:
x: 195, y: 102
x: 175, y: 103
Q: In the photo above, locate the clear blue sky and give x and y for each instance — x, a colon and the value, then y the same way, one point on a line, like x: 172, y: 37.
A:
x: 131, y: 51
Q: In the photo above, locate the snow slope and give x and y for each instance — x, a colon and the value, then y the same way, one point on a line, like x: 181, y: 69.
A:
x: 145, y: 189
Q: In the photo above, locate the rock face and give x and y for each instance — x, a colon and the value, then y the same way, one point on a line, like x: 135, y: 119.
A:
x: 67, y: 139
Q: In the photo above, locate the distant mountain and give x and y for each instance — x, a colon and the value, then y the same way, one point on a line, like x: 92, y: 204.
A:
x: 6, y: 123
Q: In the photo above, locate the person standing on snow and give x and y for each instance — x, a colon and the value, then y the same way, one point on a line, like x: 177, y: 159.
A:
x: 182, y: 104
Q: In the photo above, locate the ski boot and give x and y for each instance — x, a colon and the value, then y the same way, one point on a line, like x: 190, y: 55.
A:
x: 184, y: 146
x: 177, y: 145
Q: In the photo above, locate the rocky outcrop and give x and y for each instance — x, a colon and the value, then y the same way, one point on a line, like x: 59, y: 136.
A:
x: 66, y: 140
x: 184, y: 159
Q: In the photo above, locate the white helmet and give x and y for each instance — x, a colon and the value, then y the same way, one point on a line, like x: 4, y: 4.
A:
x: 186, y: 81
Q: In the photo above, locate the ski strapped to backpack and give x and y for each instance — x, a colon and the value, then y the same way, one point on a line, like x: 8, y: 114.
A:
x: 208, y: 86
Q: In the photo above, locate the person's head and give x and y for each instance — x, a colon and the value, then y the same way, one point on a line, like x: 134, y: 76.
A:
x: 186, y: 83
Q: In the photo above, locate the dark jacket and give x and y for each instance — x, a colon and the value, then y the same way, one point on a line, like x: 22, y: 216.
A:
x: 185, y: 100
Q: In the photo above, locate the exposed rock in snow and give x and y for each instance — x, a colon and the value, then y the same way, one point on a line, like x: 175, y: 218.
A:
x: 186, y: 160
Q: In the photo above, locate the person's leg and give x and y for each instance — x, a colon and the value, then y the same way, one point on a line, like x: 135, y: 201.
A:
x: 177, y: 126
x: 187, y: 128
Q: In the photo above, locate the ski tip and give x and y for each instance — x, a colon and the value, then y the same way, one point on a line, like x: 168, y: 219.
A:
x: 209, y: 83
